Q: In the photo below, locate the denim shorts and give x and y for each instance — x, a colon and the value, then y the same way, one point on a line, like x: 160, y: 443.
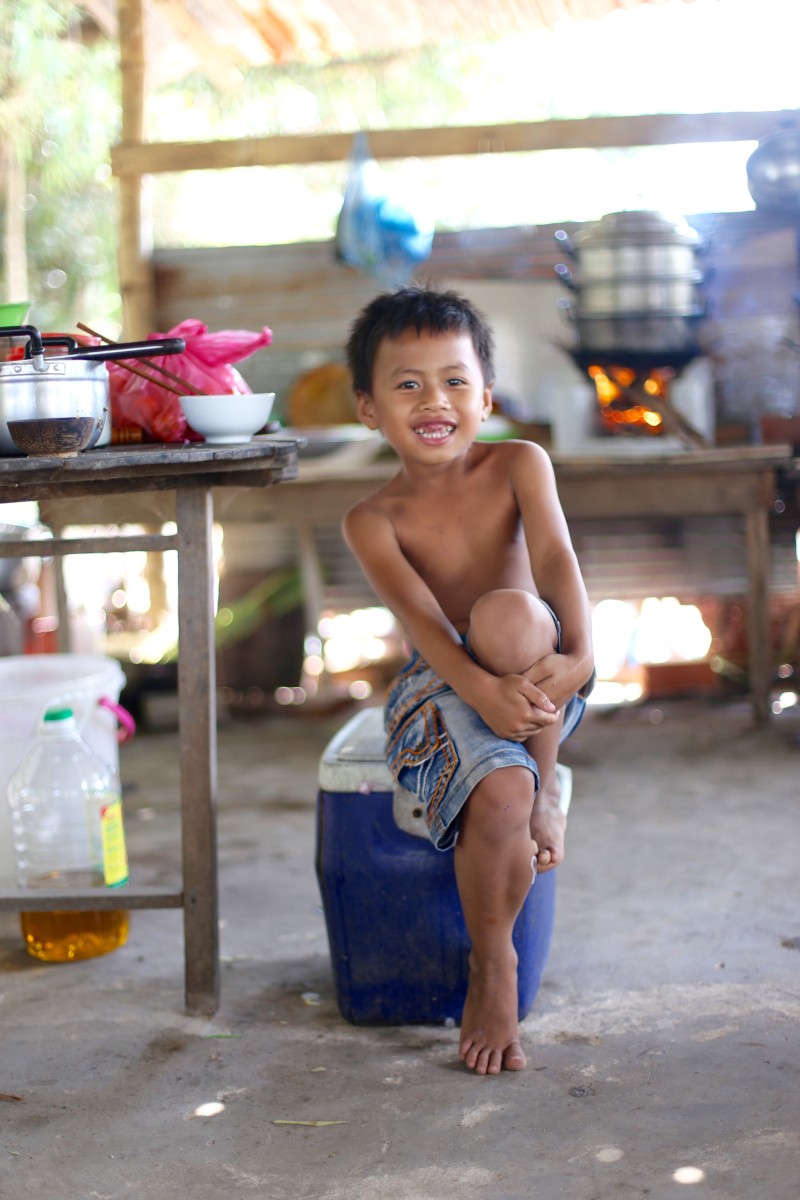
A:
x: 439, y: 748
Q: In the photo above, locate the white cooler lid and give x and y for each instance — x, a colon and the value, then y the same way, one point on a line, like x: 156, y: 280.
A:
x: 354, y: 759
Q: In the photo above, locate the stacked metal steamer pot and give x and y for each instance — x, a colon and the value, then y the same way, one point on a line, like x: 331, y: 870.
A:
x: 635, y: 279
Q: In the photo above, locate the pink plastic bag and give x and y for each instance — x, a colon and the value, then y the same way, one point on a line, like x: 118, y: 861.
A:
x: 206, y: 364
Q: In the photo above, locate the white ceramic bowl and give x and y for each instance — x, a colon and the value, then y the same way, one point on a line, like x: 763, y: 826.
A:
x: 226, y: 420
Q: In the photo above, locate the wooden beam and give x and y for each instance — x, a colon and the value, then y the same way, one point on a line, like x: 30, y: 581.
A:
x: 103, y: 14
x: 92, y: 900
x: 135, y: 235
x: 130, y: 158
x: 117, y: 542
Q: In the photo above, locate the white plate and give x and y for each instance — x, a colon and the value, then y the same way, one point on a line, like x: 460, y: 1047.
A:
x: 228, y: 439
x: 319, y: 435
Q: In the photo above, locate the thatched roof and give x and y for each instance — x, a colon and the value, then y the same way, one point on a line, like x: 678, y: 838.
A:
x: 220, y: 37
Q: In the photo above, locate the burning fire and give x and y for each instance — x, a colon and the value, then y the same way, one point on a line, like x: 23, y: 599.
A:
x: 623, y: 398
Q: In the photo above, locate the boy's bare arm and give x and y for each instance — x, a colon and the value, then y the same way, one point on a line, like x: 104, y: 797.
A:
x: 511, y: 705
x: 556, y: 574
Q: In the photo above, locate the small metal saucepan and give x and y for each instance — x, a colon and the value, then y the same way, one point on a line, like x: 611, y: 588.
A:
x: 74, y: 384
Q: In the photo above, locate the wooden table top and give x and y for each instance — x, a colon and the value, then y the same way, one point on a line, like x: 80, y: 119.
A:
x: 724, y: 459
x: 148, y: 467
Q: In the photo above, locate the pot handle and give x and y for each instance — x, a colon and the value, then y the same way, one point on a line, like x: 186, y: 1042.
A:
x: 29, y: 331
x: 565, y: 242
x: 565, y: 307
x: 65, y: 340
x: 131, y: 350
x: 565, y: 275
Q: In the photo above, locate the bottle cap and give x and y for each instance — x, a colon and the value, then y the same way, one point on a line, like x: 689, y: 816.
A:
x: 58, y: 714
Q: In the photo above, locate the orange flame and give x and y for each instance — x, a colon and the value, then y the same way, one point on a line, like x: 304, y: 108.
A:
x: 619, y: 397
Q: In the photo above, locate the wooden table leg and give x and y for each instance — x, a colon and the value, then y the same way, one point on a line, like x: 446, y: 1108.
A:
x: 198, y: 748
x: 758, y: 631
x: 310, y: 574
x: 63, y: 631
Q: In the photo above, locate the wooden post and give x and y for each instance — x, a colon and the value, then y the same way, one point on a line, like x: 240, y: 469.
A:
x: 310, y: 574
x: 197, y: 722
x: 758, y: 630
x: 15, y: 257
x: 135, y: 234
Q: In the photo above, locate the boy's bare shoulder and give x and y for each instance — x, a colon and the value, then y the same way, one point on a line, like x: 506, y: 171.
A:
x: 371, y: 511
x: 365, y: 508
x: 515, y: 453
x: 519, y: 447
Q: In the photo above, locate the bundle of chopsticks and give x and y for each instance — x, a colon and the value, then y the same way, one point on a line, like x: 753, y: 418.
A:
x: 183, y: 388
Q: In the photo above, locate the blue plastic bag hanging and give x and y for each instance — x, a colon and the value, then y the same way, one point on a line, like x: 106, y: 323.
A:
x: 376, y: 232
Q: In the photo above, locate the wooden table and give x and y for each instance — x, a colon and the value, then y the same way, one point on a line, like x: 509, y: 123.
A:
x: 190, y: 472
x: 740, y: 482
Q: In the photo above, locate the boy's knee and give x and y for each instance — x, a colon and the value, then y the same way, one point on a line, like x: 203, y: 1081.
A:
x: 500, y: 805
x: 510, y: 629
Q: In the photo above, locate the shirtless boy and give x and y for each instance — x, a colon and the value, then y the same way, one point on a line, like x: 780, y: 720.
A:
x: 468, y: 547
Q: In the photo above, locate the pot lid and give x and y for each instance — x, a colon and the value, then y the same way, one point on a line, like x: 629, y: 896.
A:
x: 637, y: 225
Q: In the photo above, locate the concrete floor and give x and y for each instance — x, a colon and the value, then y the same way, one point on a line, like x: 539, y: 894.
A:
x: 665, y: 1037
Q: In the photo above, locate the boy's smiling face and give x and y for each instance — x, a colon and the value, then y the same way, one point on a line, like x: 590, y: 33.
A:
x: 428, y: 395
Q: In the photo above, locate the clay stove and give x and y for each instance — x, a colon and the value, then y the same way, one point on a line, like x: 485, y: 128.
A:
x: 635, y: 309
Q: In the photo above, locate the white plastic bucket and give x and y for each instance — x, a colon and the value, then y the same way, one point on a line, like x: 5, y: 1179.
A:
x: 28, y: 685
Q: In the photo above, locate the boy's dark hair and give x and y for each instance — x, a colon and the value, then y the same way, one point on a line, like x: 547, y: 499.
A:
x: 415, y: 307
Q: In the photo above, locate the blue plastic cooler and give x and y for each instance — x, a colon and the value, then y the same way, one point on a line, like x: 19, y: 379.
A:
x: 398, y: 943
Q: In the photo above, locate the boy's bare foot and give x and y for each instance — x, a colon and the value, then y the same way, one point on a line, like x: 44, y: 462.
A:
x: 548, y: 824
x: 490, y: 1027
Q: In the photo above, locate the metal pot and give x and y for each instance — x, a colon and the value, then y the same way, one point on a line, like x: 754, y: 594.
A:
x: 652, y: 334
x: 622, y: 260
x: 635, y: 283
x: 74, y: 384
x: 634, y: 296
x: 773, y: 172
x: 633, y: 244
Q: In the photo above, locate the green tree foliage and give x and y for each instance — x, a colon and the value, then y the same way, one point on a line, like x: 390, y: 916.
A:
x: 59, y: 115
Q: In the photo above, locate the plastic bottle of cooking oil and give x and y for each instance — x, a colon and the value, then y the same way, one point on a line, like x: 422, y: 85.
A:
x: 66, y: 820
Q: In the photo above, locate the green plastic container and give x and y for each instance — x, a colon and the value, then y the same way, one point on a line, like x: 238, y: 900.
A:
x: 14, y: 314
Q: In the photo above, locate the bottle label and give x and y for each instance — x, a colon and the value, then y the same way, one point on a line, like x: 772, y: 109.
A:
x: 115, y: 856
